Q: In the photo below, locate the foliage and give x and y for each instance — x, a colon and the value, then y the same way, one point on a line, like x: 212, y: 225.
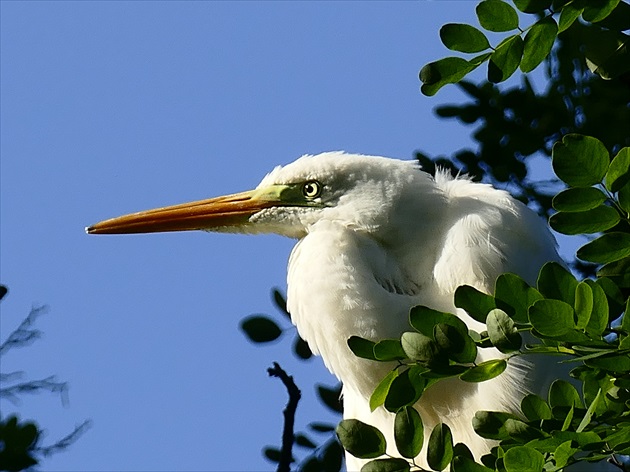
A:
x: 20, y: 441
x: 581, y: 122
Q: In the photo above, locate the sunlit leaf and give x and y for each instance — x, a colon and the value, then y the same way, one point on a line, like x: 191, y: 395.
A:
x: 580, y: 161
x: 360, y: 439
x: 497, y: 16
x: 477, y: 304
x: 563, y: 394
x: 598, y: 319
x: 551, y: 317
x: 523, y: 459
x: 607, y: 248
x: 532, y: 6
x: 389, y: 350
x: 505, y: 59
x: 538, y: 43
x: 382, y: 389
x: 554, y: 281
x: 513, y: 291
x: 591, y: 221
x: 583, y: 304
x: 618, y: 173
x: 568, y: 15
x: 440, y: 448
x: 463, y: 38
x: 449, y: 70
x: 484, y: 371
x: 579, y: 198
x: 502, y: 332
x: 408, y: 432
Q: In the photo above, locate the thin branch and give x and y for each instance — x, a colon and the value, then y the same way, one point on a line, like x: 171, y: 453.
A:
x: 64, y: 442
x: 24, y: 335
x: 286, y: 454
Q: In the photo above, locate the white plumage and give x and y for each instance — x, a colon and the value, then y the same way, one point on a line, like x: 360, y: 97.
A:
x: 377, y: 236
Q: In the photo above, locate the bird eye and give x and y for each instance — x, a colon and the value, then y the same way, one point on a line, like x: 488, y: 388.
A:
x: 312, y: 189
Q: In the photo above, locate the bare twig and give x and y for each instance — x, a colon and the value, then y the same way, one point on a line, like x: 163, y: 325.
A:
x: 286, y: 454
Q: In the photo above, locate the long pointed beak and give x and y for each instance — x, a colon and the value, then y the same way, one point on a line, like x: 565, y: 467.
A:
x: 230, y: 210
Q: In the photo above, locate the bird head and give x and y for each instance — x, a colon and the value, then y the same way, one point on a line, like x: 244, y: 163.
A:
x: 355, y: 191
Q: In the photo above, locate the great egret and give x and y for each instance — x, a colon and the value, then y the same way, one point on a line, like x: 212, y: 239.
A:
x: 377, y: 236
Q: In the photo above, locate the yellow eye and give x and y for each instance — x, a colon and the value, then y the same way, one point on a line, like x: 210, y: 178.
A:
x: 312, y: 189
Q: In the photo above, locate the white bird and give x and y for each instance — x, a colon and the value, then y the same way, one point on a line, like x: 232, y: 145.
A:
x: 377, y: 236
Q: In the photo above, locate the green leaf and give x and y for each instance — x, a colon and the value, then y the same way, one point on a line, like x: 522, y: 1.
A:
x: 463, y: 38
x: 389, y: 350
x: 477, y: 304
x: 625, y: 321
x: 408, y: 432
x: 502, y: 332
x: 613, y: 363
x: 440, y: 449
x: 485, y: 371
x: 598, y: 319
x: 513, y: 291
x: 591, y: 221
x: 522, y: 432
x: 609, y: 247
x: 563, y: 453
x: 551, y: 317
x: 419, y: 347
x: 568, y: 15
x: 563, y: 394
x: 568, y: 417
x: 590, y: 412
x: 360, y: 439
x: 535, y: 408
x: 523, y: 459
x: 449, y: 70
x: 607, y: 53
x: 405, y: 390
x: 583, y: 304
x: 465, y: 464
x: 597, y: 11
x: 382, y: 389
x: 623, y: 197
x: 579, y: 198
x: 424, y: 320
x: 456, y: 342
x: 491, y: 424
x: 618, y: 173
x: 363, y: 348
x: 391, y: 464
x: 580, y: 161
x: 497, y: 16
x: 260, y: 329
x: 554, y: 281
x: 505, y: 59
x: 532, y: 6
x: 538, y: 43
x: 618, y: 272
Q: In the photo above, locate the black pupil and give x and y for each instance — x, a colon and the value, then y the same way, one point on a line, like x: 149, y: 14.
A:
x: 311, y: 189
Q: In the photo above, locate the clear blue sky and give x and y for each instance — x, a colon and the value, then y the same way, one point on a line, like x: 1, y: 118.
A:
x: 113, y: 107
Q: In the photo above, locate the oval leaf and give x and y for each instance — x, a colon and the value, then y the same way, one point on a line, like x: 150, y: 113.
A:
x: 260, y: 329
x: 477, y: 304
x: 515, y: 292
x: 382, y: 389
x: 579, y: 199
x: 523, y: 459
x: 440, y: 449
x: 538, y: 43
x: 497, y: 16
x: 363, y: 348
x: 591, y: 221
x: 532, y: 6
x: 609, y: 247
x: 568, y: 15
x: 618, y: 173
x: 535, y: 408
x: 408, y: 432
x: 502, y: 332
x: 554, y: 281
x: 389, y: 350
x: 419, y: 347
x: 405, y: 390
x: 505, y: 59
x: 491, y: 424
x: 463, y: 38
x: 385, y: 465
x: 456, y: 342
x: 551, y: 317
x: 580, y: 161
x: 583, y: 304
x: 449, y: 70
x: 360, y: 439
x: 485, y: 371
x: 563, y: 394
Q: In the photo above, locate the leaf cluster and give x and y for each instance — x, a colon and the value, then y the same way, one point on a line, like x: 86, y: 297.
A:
x: 580, y: 320
x: 526, y: 47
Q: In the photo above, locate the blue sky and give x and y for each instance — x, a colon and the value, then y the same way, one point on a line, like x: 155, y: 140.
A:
x: 113, y: 107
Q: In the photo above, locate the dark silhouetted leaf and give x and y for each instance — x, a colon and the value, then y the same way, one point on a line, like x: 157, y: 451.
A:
x: 362, y: 347
x: 387, y: 465
x: 301, y: 349
x: 260, y: 329
x: 491, y: 424
x: 331, y: 397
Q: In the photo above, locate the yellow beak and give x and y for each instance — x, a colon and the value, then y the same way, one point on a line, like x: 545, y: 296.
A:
x: 230, y: 210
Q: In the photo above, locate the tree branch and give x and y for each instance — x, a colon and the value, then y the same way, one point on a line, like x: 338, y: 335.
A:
x: 286, y: 454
